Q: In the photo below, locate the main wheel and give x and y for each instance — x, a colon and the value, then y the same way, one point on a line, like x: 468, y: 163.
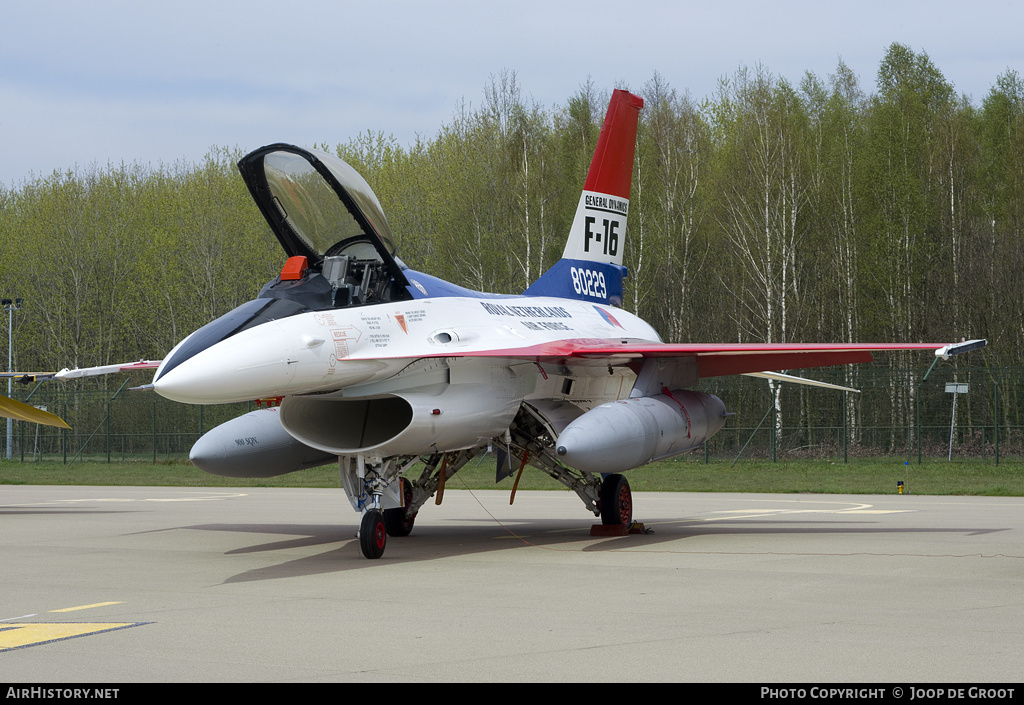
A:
x: 397, y: 521
x: 616, y: 501
x: 373, y: 535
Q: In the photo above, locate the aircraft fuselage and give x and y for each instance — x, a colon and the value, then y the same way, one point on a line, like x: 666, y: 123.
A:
x: 338, y: 349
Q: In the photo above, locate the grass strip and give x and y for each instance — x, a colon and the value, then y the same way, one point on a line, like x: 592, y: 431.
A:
x: 859, y: 476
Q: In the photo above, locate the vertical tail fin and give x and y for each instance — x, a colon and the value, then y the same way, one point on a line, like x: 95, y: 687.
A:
x: 591, y: 265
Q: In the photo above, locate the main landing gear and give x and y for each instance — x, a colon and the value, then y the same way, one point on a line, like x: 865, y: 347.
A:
x: 399, y: 521
x: 389, y: 502
x: 616, y: 501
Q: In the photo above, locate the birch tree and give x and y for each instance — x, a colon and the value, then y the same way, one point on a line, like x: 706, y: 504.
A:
x: 764, y: 189
x: 669, y: 211
x: 904, y: 178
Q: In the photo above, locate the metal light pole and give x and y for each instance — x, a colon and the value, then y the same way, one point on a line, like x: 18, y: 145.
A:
x: 10, y: 305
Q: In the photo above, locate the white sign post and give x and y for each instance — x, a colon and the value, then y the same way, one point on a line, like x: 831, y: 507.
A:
x: 954, y: 388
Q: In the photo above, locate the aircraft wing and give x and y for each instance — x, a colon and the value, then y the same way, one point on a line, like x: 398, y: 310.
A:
x: 720, y: 359
x: 11, y: 409
x: 716, y: 360
x: 107, y: 369
x: 27, y: 377
x: 78, y: 372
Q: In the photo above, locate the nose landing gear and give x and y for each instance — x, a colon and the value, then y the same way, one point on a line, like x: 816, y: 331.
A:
x: 373, y: 535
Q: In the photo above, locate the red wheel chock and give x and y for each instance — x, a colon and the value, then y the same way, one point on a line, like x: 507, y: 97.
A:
x: 618, y: 529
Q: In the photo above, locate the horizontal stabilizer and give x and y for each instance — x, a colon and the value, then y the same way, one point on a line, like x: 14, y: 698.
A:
x: 779, y: 377
x: 11, y: 409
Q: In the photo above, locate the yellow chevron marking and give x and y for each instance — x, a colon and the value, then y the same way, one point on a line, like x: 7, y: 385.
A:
x: 22, y: 634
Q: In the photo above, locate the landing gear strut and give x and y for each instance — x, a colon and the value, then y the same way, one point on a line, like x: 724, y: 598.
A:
x: 399, y: 521
x: 372, y: 490
x: 389, y: 503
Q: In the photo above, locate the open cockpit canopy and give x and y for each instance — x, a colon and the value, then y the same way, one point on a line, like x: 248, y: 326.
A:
x: 318, y: 206
x: 322, y: 210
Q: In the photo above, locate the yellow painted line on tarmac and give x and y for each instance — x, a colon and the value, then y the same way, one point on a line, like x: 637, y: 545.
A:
x: 87, y: 607
x: 24, y: 634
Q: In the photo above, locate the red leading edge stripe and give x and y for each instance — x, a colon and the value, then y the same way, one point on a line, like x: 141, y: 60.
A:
x: 713, y: 359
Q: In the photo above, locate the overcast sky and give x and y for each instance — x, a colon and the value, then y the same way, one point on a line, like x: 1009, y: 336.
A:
x: 92, y: 83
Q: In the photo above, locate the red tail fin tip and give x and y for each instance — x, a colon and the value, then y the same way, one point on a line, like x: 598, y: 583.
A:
x: 611, y: 171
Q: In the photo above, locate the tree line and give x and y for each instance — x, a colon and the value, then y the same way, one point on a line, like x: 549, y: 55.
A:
x: 769, y: 211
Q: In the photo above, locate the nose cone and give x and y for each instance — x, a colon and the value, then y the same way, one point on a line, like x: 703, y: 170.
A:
x: 253, y: 364
x: 277, y: 358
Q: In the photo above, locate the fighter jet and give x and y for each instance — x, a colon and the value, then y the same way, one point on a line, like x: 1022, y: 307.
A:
x: 403, y: 378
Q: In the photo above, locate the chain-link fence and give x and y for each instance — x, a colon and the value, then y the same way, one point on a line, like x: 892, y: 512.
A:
x: 898, y: 413
x: 114, y: 425
x: 945, y: 412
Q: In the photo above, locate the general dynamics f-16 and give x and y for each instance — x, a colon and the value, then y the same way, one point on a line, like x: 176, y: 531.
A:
x: 381, y: 368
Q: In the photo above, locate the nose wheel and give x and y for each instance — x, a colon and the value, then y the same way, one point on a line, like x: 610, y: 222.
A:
x: 373, y: 534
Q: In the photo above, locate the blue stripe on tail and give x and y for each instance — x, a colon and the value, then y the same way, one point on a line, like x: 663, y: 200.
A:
x: 597, y: 282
